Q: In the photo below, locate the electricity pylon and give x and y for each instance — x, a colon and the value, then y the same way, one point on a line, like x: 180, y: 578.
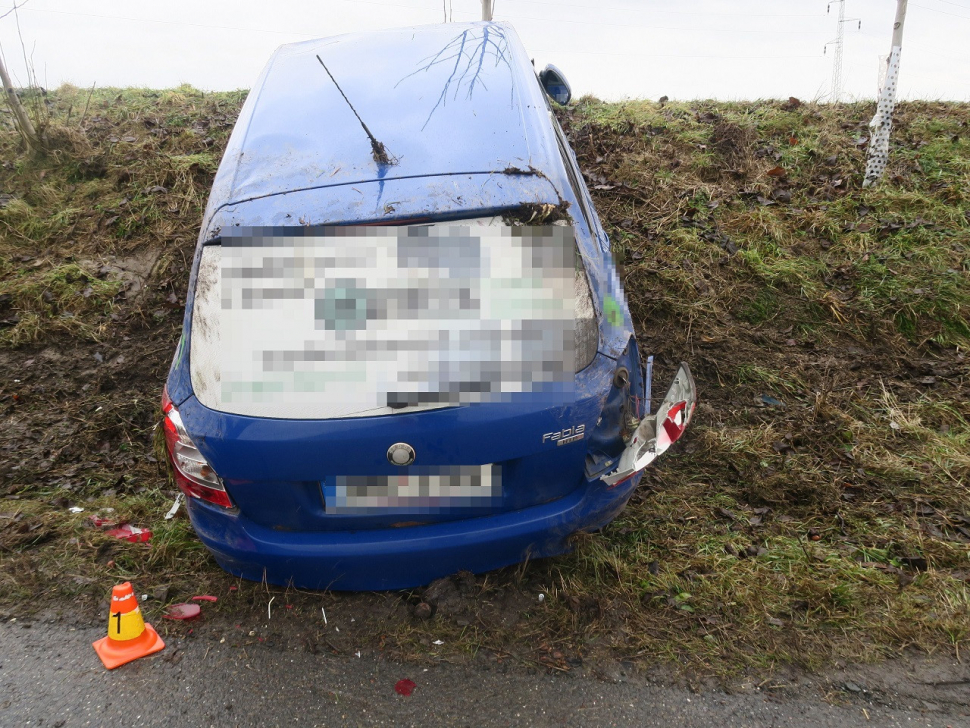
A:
x: 839, y: 41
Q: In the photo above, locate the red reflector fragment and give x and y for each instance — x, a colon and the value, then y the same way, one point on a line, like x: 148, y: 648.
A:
x: 675, y: 422
x: 131, y: 533
x: 183, y: 611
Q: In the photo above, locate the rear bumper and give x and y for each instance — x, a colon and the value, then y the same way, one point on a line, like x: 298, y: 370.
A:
x: 398, y: 558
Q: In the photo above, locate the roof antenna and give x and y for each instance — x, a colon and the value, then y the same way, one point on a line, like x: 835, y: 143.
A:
x: 380, y: 152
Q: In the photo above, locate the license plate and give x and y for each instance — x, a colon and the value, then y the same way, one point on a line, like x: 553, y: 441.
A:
x: 429, y: 490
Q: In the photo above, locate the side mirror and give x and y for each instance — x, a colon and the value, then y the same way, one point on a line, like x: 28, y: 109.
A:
x: 555, y: 84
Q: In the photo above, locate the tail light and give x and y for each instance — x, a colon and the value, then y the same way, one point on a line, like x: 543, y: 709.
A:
x: 658, y: 432
x: 193, y: 475
x: 673, y: 425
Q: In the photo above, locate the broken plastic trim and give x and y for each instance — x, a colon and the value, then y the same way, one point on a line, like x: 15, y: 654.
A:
x: 656, y: 433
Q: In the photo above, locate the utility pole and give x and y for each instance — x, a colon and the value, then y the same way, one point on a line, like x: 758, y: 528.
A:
x: 24, y: 125
x: 882, y: 123
x: 837, y: 61
x: 839, y: 41
x: 487, y: 9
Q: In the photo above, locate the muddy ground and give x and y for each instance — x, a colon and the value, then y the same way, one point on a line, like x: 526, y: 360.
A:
x: 817, y: 511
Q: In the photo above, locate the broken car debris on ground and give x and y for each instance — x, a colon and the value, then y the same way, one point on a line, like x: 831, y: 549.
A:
x: 847, y: 536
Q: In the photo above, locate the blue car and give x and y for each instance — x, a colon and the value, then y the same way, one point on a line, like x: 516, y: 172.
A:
x: 406, y: 351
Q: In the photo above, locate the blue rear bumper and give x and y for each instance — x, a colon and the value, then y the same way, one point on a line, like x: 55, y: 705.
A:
x: 398, y: 558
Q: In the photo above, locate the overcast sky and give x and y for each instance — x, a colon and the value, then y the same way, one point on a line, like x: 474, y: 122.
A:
x: 685, y: 49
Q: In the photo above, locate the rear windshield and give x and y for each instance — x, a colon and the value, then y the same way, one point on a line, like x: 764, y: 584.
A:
x: 352, y: 321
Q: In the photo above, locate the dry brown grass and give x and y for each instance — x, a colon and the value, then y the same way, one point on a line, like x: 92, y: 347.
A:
x: 817, y: 508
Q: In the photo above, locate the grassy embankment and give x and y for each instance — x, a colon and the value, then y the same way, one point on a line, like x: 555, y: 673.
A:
x: 819, y: 507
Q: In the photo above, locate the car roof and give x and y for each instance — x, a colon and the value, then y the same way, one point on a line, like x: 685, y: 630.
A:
x: 446, y: 99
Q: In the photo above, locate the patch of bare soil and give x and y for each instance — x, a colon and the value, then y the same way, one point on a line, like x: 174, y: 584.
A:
x: 809, y: 504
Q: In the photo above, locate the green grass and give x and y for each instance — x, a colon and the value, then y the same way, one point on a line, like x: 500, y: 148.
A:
x: 65, y: 298
x: 900, y: 249
x: 770, y: 535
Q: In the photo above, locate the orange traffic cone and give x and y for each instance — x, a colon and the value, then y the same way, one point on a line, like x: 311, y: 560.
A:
x: 128, y: 636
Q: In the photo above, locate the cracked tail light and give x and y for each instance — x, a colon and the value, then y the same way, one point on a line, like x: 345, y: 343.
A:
x: 193, y: 474
x: 658, y: 432
x: 673, y: 425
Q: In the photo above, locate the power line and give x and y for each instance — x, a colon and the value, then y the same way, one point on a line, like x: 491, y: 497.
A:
x: 939, y: 55
x: 917, y: 51
x: 674, y: 12
x: 661, y: 27
x: 664, y: 55
x: 538, y: 50
x: 943, y: 12
x: 167, y: 22
x: 311, y: 35
x: 203, y: 25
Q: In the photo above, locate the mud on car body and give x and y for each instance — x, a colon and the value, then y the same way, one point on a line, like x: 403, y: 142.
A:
x: 395, y: 367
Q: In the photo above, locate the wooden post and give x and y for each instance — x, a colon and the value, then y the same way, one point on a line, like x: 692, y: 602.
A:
x: 898, y: 25
x: 882, y: 123
x: 23, y: 123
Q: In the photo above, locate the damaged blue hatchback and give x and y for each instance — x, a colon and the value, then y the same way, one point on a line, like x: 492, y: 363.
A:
x: 406, y: 351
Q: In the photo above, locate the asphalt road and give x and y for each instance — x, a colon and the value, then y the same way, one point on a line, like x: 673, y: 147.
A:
x: 50, y: 676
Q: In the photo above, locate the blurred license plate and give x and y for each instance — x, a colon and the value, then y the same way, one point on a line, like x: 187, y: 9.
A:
x: 429, y: 490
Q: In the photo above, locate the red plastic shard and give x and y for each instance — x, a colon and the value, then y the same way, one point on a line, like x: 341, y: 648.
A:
x: 204, y: 598
x: 405, y: 687
x: 183, y: 611
x: 99, y: 522
x: 130, y: 533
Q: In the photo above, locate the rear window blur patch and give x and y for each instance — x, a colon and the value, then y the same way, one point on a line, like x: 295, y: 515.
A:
x: 348, y: 321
